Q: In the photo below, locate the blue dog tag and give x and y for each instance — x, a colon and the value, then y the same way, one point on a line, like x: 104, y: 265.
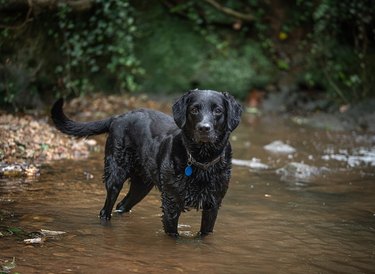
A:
x: 188, y: 171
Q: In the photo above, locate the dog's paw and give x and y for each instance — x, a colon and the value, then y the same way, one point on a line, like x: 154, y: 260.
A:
x: 202, y: 234
x: 104, y: 215
x: 120, y: 209
x: 173, y: 234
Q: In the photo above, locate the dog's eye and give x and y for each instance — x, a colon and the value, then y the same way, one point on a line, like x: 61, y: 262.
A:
x: 194, y: 111
x: 218, y: 111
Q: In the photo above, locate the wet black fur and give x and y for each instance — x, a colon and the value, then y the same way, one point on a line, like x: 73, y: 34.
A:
x: 150, y: 148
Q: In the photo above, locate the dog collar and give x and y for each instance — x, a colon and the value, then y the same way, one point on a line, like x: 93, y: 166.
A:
x: 191, y: 161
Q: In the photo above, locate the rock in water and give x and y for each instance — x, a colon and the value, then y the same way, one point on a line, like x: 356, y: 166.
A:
x: 279, y: 147
x: 254, y: 163
x: 298, y: 172
x: 18, y: 170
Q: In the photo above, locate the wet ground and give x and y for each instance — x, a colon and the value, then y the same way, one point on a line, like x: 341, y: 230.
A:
x: 312, y: 210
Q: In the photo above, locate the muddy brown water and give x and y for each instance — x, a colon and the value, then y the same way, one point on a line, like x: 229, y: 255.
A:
x: 325, y: 224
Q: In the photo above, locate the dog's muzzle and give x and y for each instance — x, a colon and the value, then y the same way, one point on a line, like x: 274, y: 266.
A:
x: 204, y: 133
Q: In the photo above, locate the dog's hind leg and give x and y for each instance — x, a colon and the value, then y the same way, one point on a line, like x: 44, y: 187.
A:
x: 137, y: 191
x: 116, y: 172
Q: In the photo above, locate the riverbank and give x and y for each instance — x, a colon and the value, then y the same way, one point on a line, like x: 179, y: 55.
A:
x: 27, y: 141
x: 316, y: 112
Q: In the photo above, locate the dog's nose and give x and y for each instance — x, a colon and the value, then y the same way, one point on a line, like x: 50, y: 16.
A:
x: 204, y: 127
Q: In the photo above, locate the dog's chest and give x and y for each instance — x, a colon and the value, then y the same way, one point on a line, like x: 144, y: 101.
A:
x: 204, y: 189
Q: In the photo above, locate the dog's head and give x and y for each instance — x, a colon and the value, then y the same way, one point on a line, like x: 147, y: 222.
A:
x: 205, y: 115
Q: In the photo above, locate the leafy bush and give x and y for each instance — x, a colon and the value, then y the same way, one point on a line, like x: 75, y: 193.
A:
x: 99, y: 43
x: 68, y: 52
x: 342, y: 48
x: 238, y: 70
x: 178, y: 56
x: 327, y: 43
x: 170, y: 53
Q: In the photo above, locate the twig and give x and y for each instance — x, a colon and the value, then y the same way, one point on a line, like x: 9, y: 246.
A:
x: 335, y: 87
x: 231, y: 12
x: 27, y: 18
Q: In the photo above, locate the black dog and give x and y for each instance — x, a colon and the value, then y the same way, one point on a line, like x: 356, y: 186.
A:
x: 188, y: 158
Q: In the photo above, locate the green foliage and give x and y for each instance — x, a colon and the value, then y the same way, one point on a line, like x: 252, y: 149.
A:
x: 124, y: 45
x: 341, y: 50
x: 334, y: 38
x: 170, y: 52
x: 68, y: 53
x: 237, y: 70
x: 103, y: 42
x: 180, y: 55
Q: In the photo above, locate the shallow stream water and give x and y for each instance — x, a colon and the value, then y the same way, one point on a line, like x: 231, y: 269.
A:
x: 269, y: 222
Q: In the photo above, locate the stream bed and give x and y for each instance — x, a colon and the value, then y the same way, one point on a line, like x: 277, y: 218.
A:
x: 305, y: 204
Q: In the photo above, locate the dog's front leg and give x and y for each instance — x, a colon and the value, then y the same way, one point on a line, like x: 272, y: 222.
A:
x: 208, y: 220
x: 171, y: 213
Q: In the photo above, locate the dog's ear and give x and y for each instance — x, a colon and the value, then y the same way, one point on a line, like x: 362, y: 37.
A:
x: 179, y: 110
x: 234, y: 111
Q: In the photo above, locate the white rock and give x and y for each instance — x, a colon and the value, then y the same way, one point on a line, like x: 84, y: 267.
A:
x: 279, y: 147
x: 298, y: 172
x: 254, y: 163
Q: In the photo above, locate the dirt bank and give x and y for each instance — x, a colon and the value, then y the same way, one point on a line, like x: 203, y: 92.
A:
x: 26, y: 141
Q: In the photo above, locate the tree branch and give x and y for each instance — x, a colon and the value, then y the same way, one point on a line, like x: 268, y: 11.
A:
x: 231, y: 12
x: 43, y: 5
x: 34, y: 7
x: 27, y: 18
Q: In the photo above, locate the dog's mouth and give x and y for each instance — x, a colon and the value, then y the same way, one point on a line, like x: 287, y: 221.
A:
x: 200, y: 137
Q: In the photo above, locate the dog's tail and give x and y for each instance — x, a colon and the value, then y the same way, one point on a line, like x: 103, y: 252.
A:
x: 78, y: 129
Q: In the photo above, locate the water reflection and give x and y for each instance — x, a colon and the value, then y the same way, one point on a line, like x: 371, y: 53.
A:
x: 266, y: 225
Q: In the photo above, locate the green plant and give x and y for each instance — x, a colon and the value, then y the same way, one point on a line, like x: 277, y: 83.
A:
x: 170, y: 52
x: 68, y: 51
x: 340, y: 51
x: 101, y: 42
x: 237, y: 70
x: 182, y: 54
